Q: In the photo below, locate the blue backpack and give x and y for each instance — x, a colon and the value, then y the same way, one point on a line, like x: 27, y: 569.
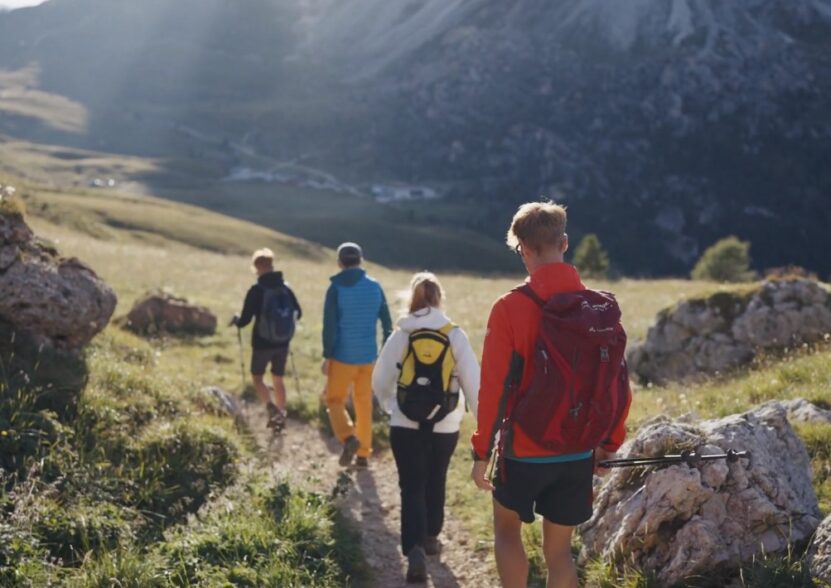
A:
x: 276, y: 322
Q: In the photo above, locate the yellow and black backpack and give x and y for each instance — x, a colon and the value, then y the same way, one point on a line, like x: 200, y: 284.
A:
x: 425, y: 390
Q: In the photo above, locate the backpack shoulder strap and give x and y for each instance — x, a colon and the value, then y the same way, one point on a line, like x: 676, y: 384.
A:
x: 529, y: 292
x: 445, y: 330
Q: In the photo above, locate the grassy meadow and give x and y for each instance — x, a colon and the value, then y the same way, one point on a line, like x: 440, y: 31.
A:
x: 143, y: 395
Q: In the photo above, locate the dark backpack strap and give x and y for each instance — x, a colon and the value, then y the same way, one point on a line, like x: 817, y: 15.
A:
x: 529, y: 292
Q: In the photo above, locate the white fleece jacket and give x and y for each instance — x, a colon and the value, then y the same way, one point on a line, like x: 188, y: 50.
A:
x: 386, y: 372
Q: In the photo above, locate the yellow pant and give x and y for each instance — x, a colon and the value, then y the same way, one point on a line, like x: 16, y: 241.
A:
x: 342, y: 376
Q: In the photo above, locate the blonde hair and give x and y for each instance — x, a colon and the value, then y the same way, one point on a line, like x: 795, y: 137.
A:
x: 539, y: 225
x: 262, y: 258
x: 425, y: 291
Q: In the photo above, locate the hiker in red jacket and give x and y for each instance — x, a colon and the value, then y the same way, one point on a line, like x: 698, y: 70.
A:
x: 547, y: 406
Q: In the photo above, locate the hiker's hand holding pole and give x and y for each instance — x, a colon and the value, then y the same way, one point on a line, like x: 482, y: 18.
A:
x: 601, y: 454
x: 234, y: 320
x: 479, y: 475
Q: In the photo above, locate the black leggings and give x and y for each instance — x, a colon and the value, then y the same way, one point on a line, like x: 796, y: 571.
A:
x: 422, y: 458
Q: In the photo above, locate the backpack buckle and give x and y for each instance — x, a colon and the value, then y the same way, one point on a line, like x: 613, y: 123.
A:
x: 604, y: 354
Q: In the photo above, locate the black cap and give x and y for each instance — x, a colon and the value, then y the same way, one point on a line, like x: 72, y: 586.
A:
x: 350, y: 253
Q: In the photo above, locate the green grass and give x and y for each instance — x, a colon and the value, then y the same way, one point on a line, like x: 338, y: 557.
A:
x: 107, y: 495
x: 143, y: 403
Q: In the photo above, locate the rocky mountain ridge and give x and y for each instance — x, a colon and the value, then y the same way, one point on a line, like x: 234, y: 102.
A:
x: 677, y: 121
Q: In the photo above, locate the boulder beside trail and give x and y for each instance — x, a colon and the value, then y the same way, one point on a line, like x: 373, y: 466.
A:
x: 683, y: 521
x: 819, y: 554
x: 710, y: 335
x: 162, y: 312
x: 60, y: 301
x: 802, y: 411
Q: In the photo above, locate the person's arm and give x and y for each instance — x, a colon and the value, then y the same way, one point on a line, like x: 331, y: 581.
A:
x: 249, y: 309
x: 295, y: 303
x: 330, y: 322
x: 468, y: 369
x: 384, y: 316
x: 501, y: 365
x: 385, y: 372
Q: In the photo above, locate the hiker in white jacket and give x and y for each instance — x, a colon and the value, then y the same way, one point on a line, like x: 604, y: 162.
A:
x: 423, y: 450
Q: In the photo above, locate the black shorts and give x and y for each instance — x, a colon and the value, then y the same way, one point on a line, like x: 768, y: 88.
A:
x: 561, y: 492
x: 277, y: 356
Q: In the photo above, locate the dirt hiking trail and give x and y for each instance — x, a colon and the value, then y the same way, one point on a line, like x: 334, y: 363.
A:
x: 370, y: 500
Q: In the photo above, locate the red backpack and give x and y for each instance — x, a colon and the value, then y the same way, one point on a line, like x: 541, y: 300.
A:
x: 580, y: 386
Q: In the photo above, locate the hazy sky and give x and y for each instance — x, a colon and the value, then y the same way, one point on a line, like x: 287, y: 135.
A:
x: 18, y: 3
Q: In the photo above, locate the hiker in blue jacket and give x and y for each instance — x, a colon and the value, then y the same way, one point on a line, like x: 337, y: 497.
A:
x: 270, y: 336
x: 354, y: 305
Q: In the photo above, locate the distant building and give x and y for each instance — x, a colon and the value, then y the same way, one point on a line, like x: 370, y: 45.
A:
x: 386, y: 193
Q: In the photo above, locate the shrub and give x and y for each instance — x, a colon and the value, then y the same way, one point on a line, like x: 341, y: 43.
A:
x: 123, y: 569
x: 591, y: 258
x: 728, y: 260
x: 17, y: 549
x: 275, y: 537
x: 176, y: 467
x: 69, y: 532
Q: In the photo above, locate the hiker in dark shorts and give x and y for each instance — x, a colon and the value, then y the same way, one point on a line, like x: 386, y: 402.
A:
x: 273, y: 307
x: 520, y: 360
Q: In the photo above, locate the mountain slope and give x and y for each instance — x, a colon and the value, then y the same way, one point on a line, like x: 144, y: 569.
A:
x: 663, y: 124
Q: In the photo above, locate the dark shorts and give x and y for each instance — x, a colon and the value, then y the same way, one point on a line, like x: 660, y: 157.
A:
x: 260, y: 359
x: 560, y: 492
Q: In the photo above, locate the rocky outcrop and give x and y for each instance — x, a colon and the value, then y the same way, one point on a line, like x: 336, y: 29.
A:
x: 682, y: 521
x: 162, y: 312
x: 819, y: 555
x: 57, y: 300
x: 803, y: 411
x: 710, y: 335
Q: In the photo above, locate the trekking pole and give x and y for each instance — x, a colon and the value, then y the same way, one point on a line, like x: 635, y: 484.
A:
x: 241, y: 359
x: 294, y: 369
x: 690, y: 458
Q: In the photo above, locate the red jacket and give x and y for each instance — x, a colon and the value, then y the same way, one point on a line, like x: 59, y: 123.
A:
x: 513, y: 328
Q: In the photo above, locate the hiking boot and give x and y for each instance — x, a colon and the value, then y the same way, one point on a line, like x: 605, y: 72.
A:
x: 361, y: 462
x: 416, y: 565
x: 273, y: 414
x: 432, y: 546
x: 278, y: 421
x: 350, y: 447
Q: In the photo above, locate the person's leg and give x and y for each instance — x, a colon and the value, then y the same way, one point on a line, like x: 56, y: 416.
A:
x: 442, y: 446
x: 362, y: 403
x: 278, y: 370
x: 259, y: 361
x: 279, y: 392
x: 511, y: 561
x: 556, y: 544
x: 411, y: 461
x: 263, y: 393
x: 565, y: 503
x: 337, y: 390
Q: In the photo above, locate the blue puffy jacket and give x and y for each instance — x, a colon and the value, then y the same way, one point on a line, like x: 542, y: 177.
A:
x: 354, y: 304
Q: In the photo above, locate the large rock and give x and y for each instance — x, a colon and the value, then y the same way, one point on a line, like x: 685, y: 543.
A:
x: 57, y: 300
x: 819, y: 555
x: 710, y: 335
x: 162, y: 312
x: 682, y: 521
x: 803, y: 411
